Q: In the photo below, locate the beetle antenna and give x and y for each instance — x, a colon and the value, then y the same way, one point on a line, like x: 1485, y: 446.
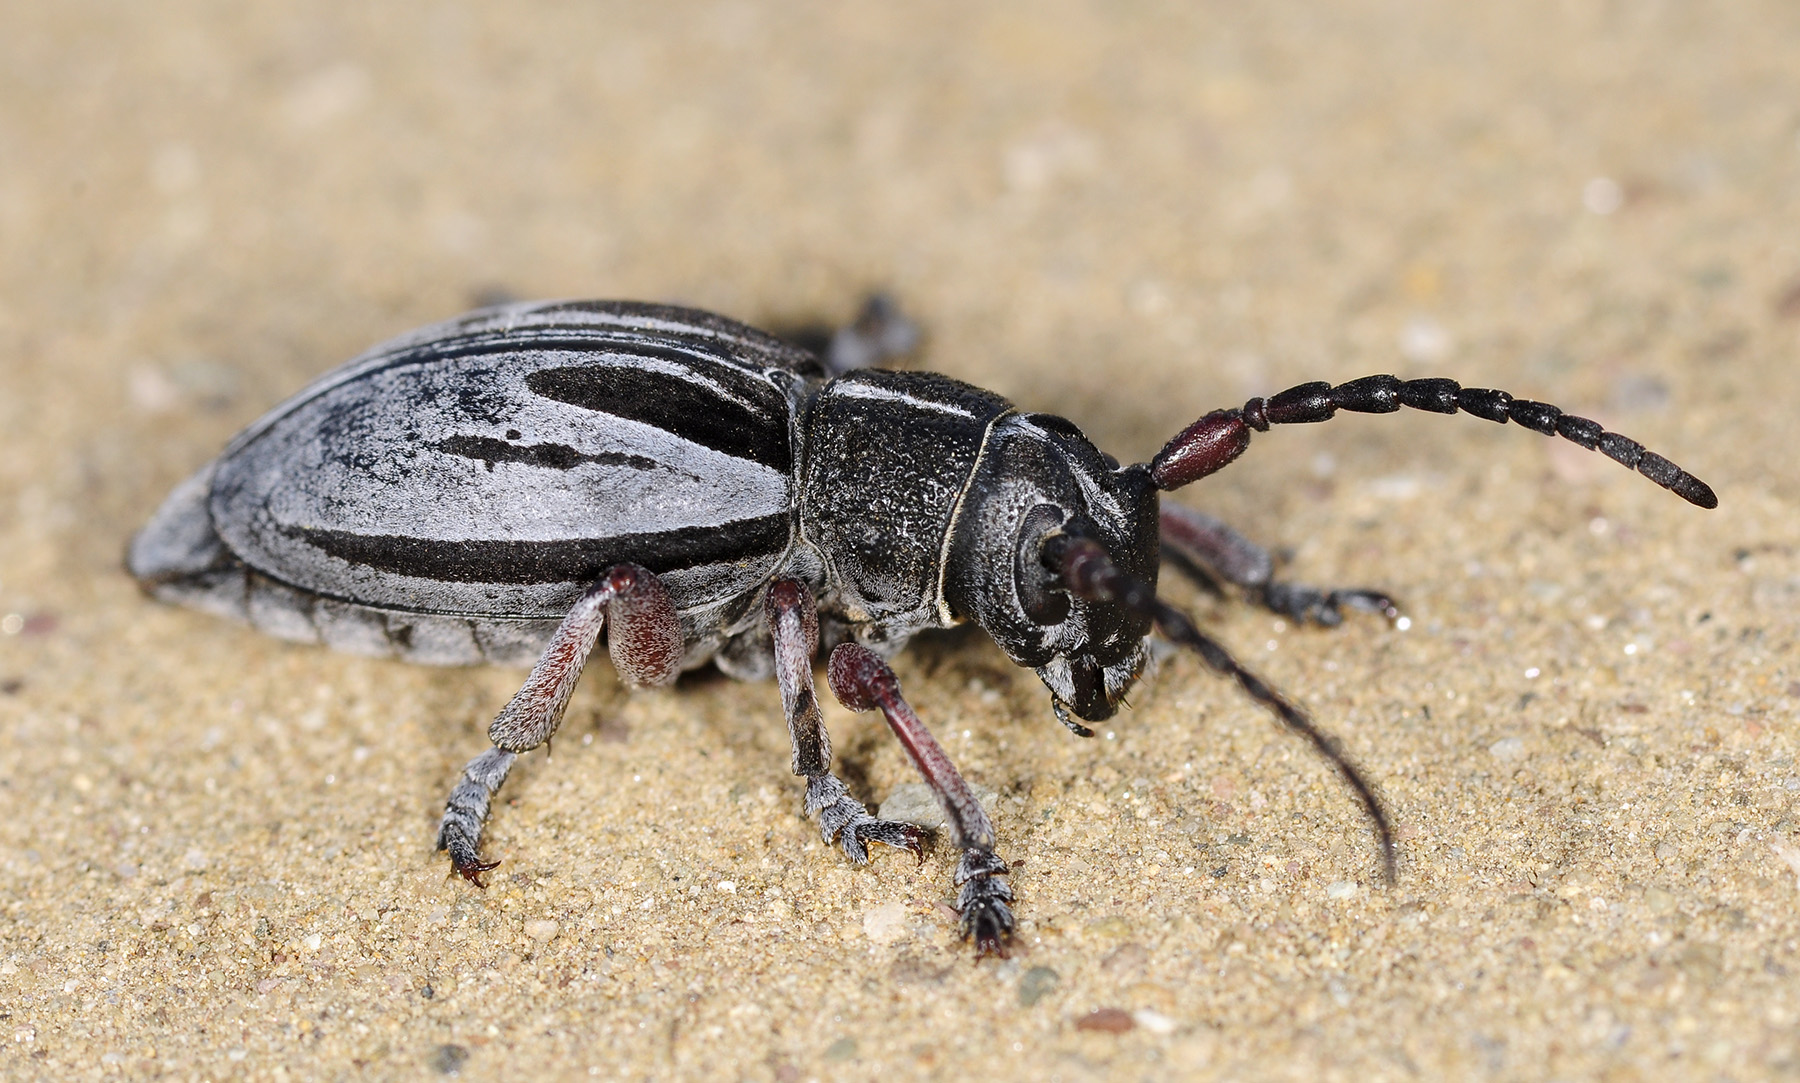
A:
x: 1088, y: 572
x: 1211, y: 443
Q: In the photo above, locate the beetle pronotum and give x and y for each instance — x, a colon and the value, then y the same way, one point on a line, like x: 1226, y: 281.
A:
x: 504, y: 486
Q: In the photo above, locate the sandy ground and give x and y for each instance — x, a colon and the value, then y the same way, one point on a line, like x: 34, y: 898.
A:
x: 216, y: 849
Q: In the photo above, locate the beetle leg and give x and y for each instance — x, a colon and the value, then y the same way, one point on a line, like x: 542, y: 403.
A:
x: 879, y: 334
x: 794, y: 626
x: 1205, y: 547
x: 862, y: 681
x: 646, y: 649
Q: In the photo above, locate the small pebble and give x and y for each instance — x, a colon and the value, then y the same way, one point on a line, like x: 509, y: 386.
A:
x: 449, y: 1059
x: 1602, y: 196
x: 1341, y: 889
x: 543, y: 930
x: 1037, y: 982
x: 1154, y: 1022
x: 1109, y: 1020
x: 885, y: 923
x: 914, y: 803
x: 1424, y: 341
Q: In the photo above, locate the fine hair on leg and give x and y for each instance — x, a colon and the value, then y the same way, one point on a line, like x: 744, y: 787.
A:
x: 646, y: 647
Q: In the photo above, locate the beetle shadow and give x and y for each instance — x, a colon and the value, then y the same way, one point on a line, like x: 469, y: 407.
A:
x: 742, y: 731
x: 813, y: 336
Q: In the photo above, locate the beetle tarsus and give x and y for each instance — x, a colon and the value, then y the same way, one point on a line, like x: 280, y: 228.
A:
x: 474, y: 872
x: 845, y: 820
x: 459, y: 833
x: 1061, y: 710
x: 880, y: 333
x: 1325, y: 608
x: 985, y: 901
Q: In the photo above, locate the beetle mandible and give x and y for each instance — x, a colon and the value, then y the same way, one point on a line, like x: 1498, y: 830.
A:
x: 504, y: 486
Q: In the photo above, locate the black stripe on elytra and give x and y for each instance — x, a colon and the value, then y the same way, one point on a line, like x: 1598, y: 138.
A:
x: 553, y: 456
x: 746, y: 416
x: 576, y: 560
x: 679, y: 407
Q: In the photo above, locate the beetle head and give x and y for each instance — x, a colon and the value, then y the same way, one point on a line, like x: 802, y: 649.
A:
x: 1040, y: 479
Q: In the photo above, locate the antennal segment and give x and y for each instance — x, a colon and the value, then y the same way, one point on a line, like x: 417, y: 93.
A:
x: 1211, y: 443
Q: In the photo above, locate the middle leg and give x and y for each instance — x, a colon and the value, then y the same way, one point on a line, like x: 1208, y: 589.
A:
x: 794, y: 626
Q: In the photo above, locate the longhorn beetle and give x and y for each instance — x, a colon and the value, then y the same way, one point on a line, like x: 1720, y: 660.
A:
x: 503, y: 486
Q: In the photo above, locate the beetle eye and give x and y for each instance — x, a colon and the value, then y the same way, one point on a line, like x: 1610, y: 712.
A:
x: 1038, y: 595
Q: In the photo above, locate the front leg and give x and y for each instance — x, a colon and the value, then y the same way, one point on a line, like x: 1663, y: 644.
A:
x: 646, y: 649
x: 794, y: 626
x: 862, y: 681
x: 1205, y: 547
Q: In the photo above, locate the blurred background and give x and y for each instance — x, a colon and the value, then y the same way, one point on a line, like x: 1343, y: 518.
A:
x: 1126, y: 214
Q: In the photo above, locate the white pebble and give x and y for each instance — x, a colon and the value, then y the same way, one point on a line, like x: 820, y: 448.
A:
x: 886, y: 923
x: 1508, y: 748
x: 1424, y: 341
x: 1154, y: 1022
x: 1602, y: 195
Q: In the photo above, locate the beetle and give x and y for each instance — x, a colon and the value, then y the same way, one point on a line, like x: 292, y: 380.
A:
x: 504, y: 486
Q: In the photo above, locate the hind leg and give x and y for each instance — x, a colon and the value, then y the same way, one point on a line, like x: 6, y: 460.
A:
x: 646, y: 650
